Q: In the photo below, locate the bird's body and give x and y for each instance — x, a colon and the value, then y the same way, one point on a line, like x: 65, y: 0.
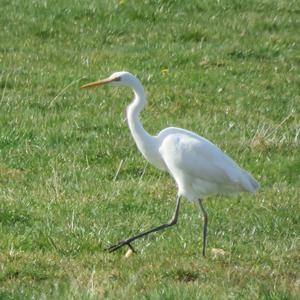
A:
x: 198, y: 166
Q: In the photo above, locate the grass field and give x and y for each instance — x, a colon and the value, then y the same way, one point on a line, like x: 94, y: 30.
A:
x: 228, y: 70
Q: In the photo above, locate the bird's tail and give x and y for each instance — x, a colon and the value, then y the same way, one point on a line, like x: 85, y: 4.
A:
x: 248, y: 182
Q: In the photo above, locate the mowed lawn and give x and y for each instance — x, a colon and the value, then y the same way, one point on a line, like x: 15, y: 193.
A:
x: 72, y: 181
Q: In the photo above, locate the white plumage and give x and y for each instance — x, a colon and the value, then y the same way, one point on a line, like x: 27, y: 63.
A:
x: 198, y: 166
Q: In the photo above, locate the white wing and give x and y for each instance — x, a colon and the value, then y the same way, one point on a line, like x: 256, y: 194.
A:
x: 198, y: 158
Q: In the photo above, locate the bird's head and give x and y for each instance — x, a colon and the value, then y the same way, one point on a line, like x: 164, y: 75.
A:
x: 116, y: 79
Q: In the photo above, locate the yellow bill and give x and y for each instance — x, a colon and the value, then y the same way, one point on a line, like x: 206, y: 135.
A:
x: 97, y: 83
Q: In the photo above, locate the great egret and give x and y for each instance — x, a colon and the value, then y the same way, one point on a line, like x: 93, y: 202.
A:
x: 198, y: 166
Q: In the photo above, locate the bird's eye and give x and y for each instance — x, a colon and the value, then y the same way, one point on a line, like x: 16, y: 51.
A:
x: 117, y: 79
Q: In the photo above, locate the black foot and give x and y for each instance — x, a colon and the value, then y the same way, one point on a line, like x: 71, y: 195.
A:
x: 119, y: 245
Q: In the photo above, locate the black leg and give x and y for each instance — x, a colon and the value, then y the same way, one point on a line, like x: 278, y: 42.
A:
x: 204, y: 228
x: 173, y: 221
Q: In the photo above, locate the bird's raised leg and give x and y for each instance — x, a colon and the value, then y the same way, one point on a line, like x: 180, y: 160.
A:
x: 173, y: 221
x: 204, y: 228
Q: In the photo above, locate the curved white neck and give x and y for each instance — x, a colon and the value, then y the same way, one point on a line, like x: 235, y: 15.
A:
x: 142, y: 138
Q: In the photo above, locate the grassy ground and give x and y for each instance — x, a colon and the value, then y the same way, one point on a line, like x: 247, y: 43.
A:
x: 228, y: 70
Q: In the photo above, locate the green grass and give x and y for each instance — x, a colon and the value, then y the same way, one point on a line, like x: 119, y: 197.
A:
x: 228, y: 70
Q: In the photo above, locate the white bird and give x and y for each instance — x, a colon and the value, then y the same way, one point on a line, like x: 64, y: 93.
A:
x: 198, y: 167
